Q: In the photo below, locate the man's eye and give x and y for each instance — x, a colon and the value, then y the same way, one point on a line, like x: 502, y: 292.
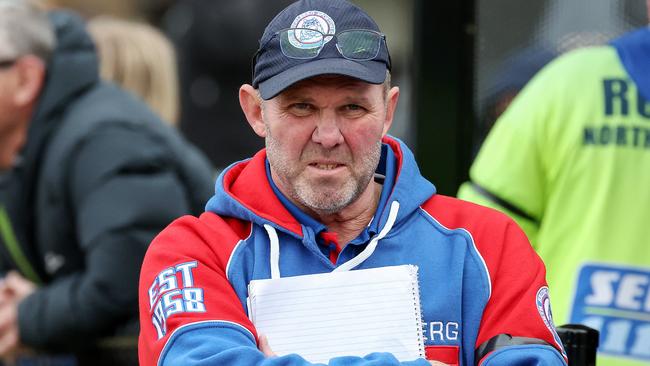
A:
x: 353, y: 107
x: 301, y: 108
x: 353, y: 110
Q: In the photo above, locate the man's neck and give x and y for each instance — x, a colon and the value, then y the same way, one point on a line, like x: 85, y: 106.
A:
x: 352, y: 220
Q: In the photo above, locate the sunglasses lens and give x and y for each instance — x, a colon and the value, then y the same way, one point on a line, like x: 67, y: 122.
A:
x: 359, y: 44
x: 301, y: 43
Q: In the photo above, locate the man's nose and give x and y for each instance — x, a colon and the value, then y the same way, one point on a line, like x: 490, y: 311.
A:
x: 327, y: 132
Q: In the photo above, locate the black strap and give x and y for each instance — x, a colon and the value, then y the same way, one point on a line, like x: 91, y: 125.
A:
x: 503, y: 203
x: 503, y: 340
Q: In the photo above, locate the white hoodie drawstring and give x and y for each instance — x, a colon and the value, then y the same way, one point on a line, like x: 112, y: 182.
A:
x: 352, y: 263
x: 275, y: 251
x: 370, y: 248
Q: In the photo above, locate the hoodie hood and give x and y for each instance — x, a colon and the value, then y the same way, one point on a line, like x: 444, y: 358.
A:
x: 71, y: 69
x: 73, y: 66
x: 244, y: 192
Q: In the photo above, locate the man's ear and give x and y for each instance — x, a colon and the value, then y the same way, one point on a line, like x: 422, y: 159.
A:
x: 251, y: 104
x: 30, y: 78
x: 391, y: 103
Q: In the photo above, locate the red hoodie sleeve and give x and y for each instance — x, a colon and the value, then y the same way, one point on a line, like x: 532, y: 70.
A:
x: 183, y: 281
x: 519, y: 304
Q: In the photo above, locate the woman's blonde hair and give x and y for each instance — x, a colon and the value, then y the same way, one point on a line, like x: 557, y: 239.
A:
x: 141, y: 59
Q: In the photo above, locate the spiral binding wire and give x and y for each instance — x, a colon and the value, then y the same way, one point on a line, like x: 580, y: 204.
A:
x: 418, y: 309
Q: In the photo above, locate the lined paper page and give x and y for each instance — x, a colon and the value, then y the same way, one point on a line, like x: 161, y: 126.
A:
x: 351, y: 313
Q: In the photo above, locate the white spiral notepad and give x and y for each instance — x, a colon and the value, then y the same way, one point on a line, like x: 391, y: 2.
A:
x: 351, y: 313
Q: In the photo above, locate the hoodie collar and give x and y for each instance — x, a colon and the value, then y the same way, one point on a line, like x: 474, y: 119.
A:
x: 303, y: 218
x: 243, y: 191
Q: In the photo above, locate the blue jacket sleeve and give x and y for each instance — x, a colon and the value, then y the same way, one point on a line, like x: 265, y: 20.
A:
x: 220, y: 343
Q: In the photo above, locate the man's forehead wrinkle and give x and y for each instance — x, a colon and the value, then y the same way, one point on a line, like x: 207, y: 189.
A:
x: 301, y: 97
x: 294, y: 95
x: 301, y: 90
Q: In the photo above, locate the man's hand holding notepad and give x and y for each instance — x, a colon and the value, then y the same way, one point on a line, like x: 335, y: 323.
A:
x: 266, y: 349
x: 351, y: 313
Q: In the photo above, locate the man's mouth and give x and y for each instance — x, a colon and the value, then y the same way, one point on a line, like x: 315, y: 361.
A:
x: 325, y: 166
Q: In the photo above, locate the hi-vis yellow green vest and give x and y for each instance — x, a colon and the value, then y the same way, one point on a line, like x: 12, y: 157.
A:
x: 570, y: 161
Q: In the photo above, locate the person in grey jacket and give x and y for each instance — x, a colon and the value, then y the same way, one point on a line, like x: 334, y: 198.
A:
x: 89, y: 177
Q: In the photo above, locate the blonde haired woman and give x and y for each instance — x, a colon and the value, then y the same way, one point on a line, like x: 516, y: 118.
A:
x: 141, y: 59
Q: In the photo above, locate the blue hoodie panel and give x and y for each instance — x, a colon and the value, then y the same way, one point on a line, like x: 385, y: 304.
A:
x: 634, y: 51
x: 195, y: 345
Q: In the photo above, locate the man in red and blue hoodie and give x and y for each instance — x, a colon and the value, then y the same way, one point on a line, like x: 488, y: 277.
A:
x: 332, y: 191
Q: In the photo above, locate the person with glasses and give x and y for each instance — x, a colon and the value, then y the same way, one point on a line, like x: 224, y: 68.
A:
x: 332, y: 191
x: 88, y: 176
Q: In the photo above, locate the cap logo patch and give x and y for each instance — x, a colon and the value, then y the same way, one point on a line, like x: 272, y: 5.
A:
x: 316, y: 20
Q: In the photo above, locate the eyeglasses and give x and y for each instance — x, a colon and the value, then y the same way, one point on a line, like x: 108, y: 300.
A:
x: 6, y: 63
x: 352, y: 44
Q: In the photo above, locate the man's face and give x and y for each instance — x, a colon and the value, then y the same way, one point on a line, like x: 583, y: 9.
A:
x: 12, y: 130
x: 323, y: 139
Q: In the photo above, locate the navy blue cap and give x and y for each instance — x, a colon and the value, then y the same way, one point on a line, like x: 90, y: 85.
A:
x: 273, y: 72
